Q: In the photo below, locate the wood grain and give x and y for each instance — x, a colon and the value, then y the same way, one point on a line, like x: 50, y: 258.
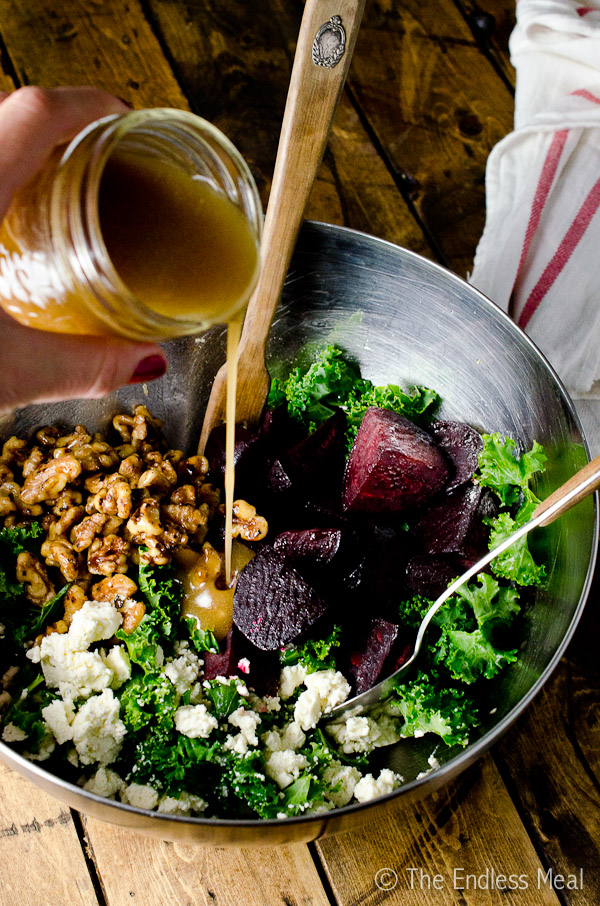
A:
x: 41, y: 861
x: 140, y: 870
x: 469, y: 828
x: 553, y: 759
x: 102, y: 42
x: 492, y: 22
x: 437, y: 107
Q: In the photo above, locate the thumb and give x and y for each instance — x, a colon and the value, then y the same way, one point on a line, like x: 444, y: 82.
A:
x: 41, y: 367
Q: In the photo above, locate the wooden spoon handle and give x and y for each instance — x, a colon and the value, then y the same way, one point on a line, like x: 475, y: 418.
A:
x: 312, y: 99
x: 324, y: 50
x: 587, y: 480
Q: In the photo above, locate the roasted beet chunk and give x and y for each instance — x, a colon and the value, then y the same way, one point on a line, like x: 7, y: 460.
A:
x: 316, y: 464
x: 462, y: 445
x: 429, y: 575
x: 239, y: 658
x: 223, y: 663
x: 368, y: 657
x: 393, y: 465
x: 314, y: 547
x: 273, y: 603
x: 453, y: 524
x: 247, y: 457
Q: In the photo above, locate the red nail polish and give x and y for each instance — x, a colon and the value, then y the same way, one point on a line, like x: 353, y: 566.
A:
x: 150, y: 368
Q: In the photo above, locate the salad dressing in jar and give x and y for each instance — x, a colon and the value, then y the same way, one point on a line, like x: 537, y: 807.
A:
x: 146, y: 226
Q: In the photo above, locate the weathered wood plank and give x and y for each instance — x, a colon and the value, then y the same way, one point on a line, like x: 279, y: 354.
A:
x: 470, y: 828
x: 41, y: 860
x: 137, y: 869
x: 437, y: 107
x: 553, y: 756
x: 235, y: 69
x: 492, y: 22
x: 102, y: 42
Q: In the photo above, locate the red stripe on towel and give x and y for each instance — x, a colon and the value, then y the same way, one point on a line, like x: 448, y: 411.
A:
x: 584, y: 93
x: 541, y: 193
x: 563, y: 253
x: 584, y: 10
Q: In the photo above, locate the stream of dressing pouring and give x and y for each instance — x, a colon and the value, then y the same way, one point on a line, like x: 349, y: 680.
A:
x: 579, y: 486
x: 326, y: 41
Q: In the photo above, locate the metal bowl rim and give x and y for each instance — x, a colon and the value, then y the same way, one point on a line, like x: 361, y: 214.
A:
x: 472, y: 751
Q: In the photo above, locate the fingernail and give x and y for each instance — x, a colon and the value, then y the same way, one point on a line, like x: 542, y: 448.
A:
x: 124, y: 101
x: 150, y: 368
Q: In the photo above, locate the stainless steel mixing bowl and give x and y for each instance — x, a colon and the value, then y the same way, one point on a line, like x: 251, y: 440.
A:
x: 404, y: 320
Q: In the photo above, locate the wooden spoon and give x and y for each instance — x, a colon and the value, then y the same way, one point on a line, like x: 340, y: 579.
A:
x: 325, y: 43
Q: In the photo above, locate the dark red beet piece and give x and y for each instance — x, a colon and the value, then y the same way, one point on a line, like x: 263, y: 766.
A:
x: 278, y: 432
x: 239, y: 658
x: 393, y: 465
x: 312, y: 546
x: 224, y: 663
x: 452, y: 525
x: 462, y: 445
x: 316, y: 464
x: 273, y: 603
x: 429, y: 574
x: 247, y: 458
x: 368, y: 657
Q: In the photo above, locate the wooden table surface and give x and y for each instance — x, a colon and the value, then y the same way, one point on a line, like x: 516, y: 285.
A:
x: 430, y: 92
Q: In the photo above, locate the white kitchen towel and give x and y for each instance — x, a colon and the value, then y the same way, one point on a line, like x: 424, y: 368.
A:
x: 539, y: 255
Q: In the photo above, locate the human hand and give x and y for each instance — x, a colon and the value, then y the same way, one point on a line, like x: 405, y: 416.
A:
x: 37, y: 366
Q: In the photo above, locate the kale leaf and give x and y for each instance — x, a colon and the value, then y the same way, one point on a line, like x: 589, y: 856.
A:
x: 314, y: 654
x: 429, y: 705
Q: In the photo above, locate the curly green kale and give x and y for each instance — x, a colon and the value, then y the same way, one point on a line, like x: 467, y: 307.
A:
x: 428, y: 704
x: 314, y: 654
x: 332, y: 382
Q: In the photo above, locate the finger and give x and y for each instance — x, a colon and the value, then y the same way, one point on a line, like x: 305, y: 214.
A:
x: 34, y: 121
x: 61, y: 367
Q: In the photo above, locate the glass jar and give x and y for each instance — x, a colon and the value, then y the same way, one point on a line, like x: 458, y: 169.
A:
x: 147, y: 225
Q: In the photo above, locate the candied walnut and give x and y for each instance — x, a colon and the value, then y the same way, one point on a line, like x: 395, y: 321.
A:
x: 95, y: 455
x: 9, y: 676
x: 14, y: 451
x: 133, y: 613
x: 144, y: 425
x: 246, y: 523
x: 84, y: 533
x: 114, y: 499
x: 172, y: 539
x: 131, y: 468
x: 50, y: 480
x: 94, y: 483
x: 67, y: 499
x: 194, y: 468
x: 160, y: 477
x: 123, y: 425
x: 155, y: 552
x: 174, y: 457
x: 5, y: 473
x: 108, y: 555
x: 60, y: 553
x: 188, y: 518
x: 186, y: 494
x: 6, y: 505
x: 76, y: 438
x: 115, y: 589
x: 47, y: 436
x: 112, y: 526
x: 145, y: 520
x: 74, y: 601
x: 32, y: 572
x: 60, y: 626
x: 33, y: 462
x: 65, y: 522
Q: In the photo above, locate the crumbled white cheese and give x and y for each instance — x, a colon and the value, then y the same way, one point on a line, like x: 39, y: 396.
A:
x: 183, y: 670
x: 236, y: 743
x: 363, y: 734
x: 12, y: 733
x: 98, y: 732
x: 285, y: 766
x: 66, y: 662
x: 104, y: 783
x: 186, y: 804
x: 370, y: 788
x: 325, y: 689
x: 59, y: 717
x: 140, y: 795
x: 290, y: 737
x: 247, y: 722
x: 94, y: 622
x: 45, y: 750
x: 240, y: 687
x: 340, y: 781
x: 195, y: 721
x: 117, y: 661
x: 291, y: 677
